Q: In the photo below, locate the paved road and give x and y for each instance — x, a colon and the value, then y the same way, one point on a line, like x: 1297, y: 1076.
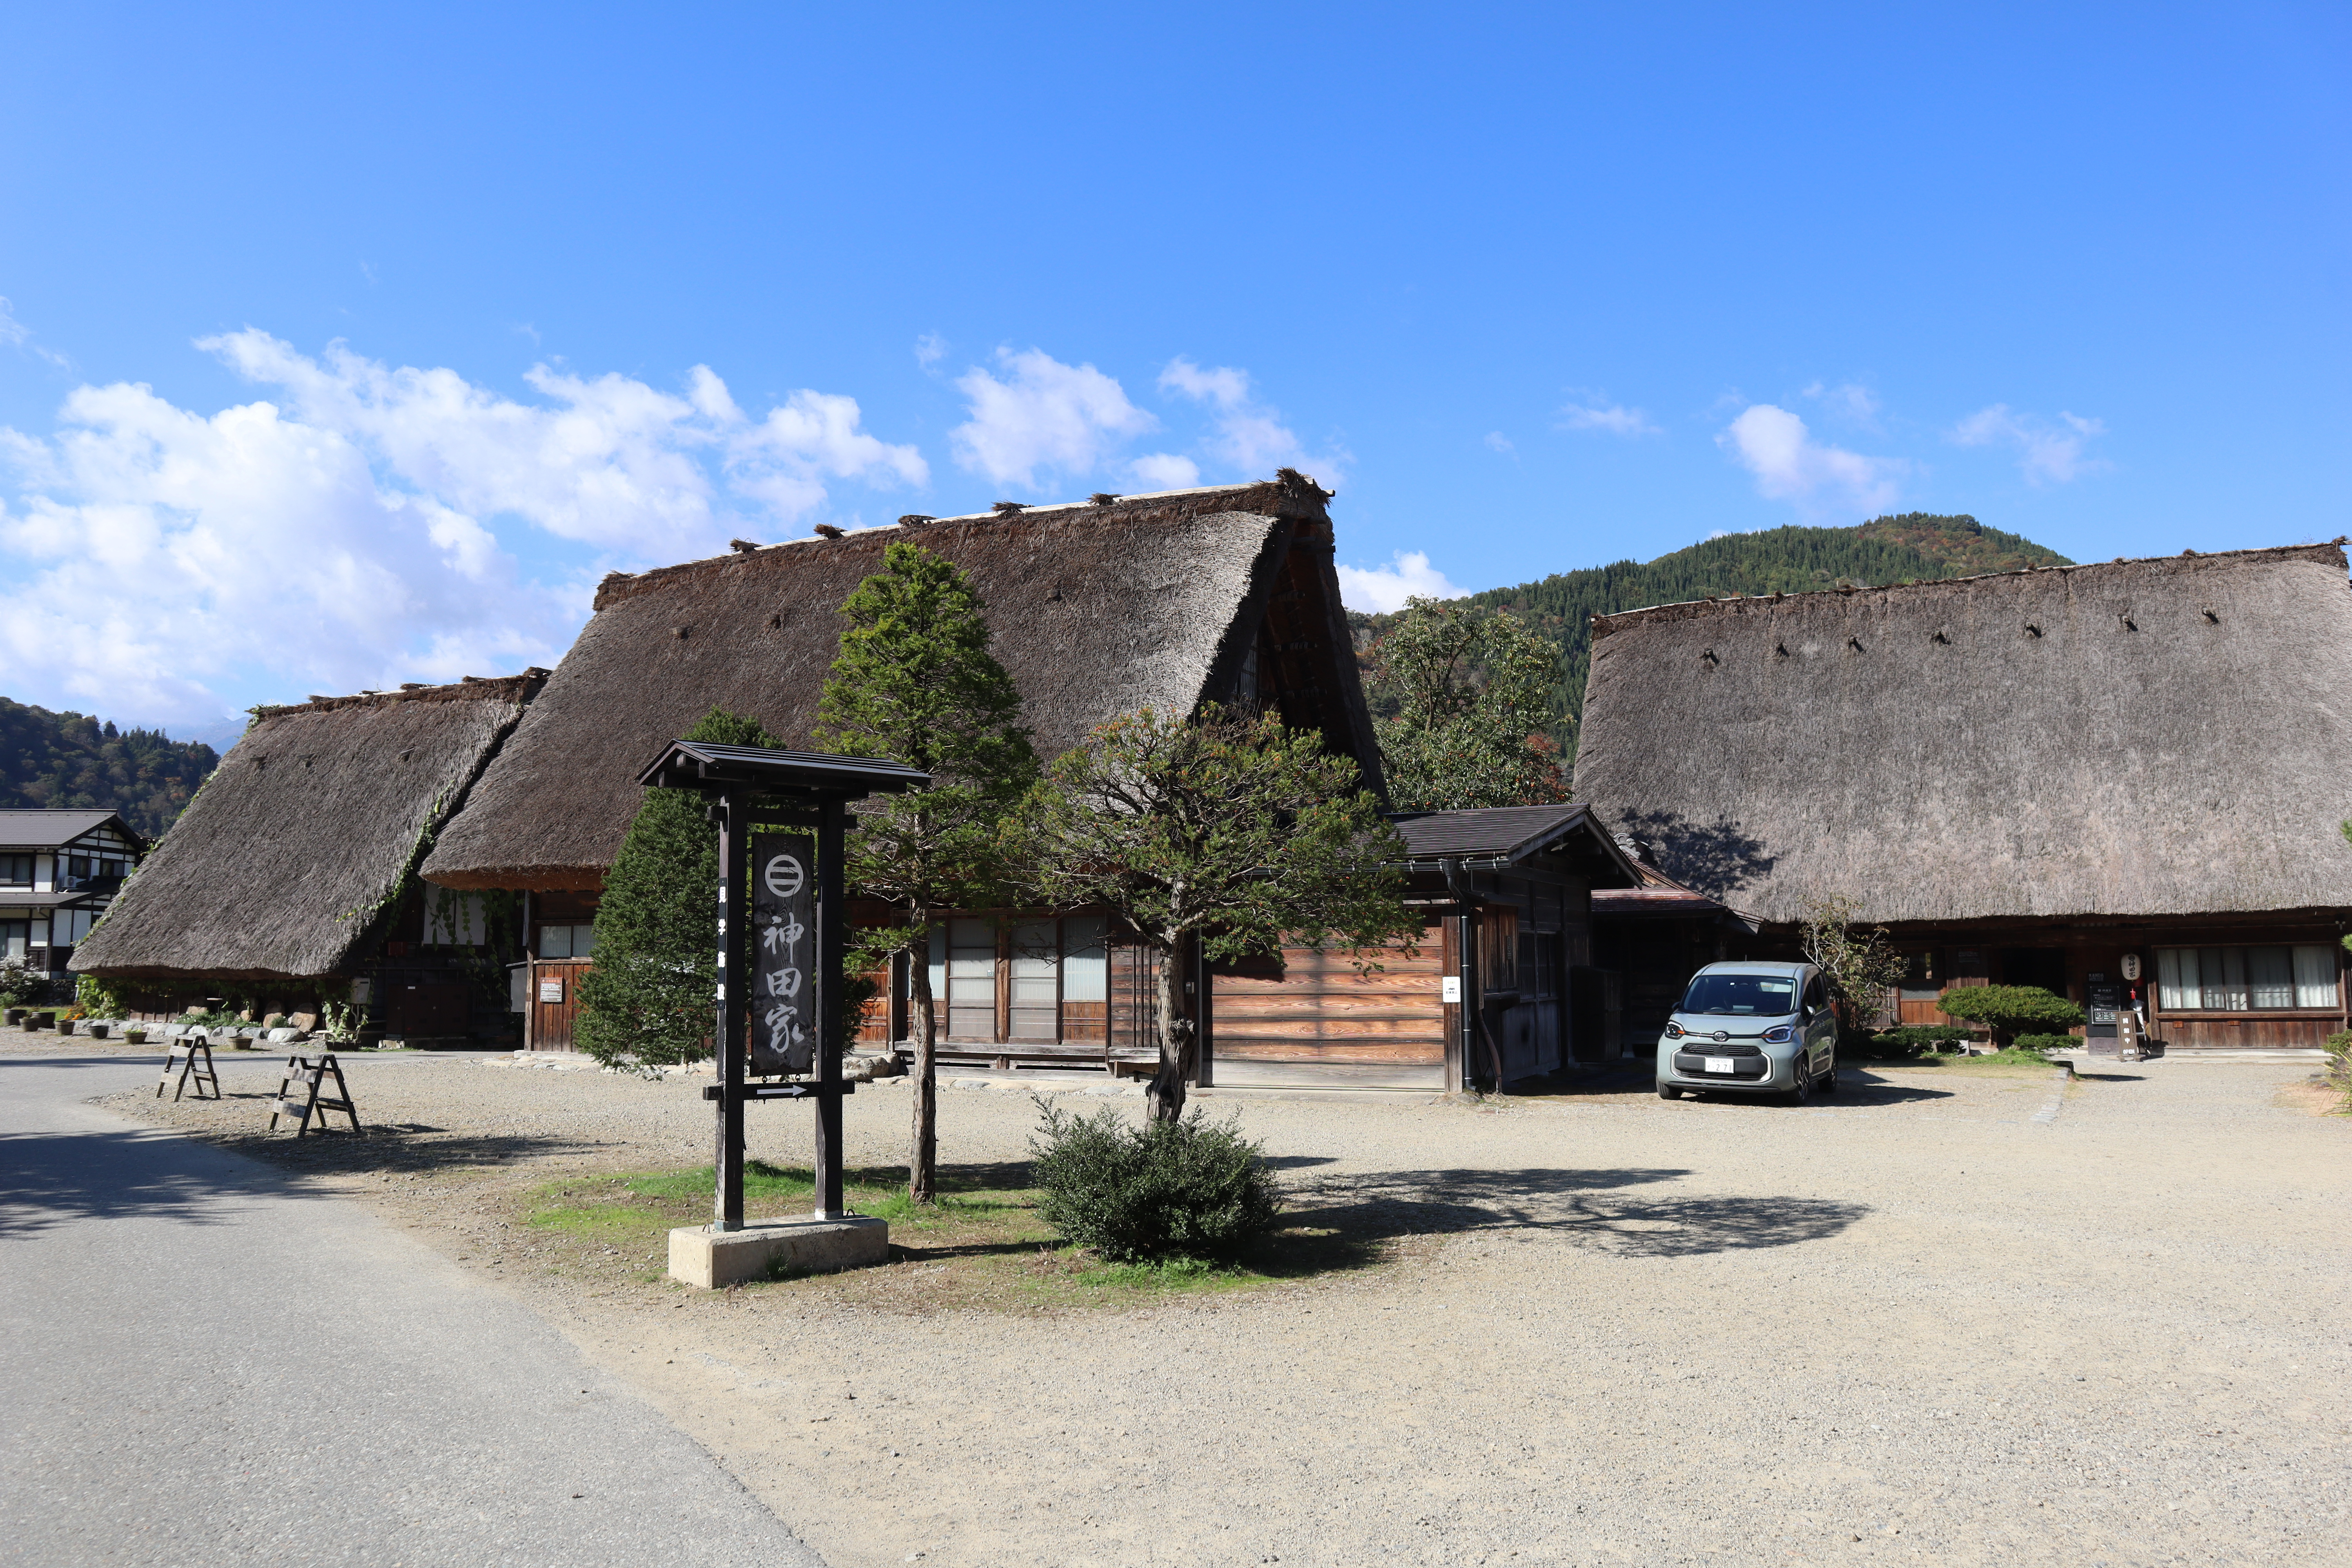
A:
x: 205, y: 1365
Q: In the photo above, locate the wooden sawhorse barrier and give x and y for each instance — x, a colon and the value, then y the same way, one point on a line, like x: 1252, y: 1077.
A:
x: 193, y: 1057
x: 300, y: 1095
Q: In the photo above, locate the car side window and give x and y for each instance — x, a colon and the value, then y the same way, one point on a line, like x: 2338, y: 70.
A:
x: 1817, y: 993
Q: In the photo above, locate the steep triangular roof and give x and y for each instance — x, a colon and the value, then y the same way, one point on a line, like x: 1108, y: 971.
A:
x: 281, y: 865
x: 1095, y: 609
x: 2143, y: 737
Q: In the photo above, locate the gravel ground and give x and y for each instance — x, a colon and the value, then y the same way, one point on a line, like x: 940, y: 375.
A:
x: 1951, y: 1317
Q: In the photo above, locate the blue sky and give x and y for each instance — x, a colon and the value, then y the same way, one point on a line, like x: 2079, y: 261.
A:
x: 343, y: 349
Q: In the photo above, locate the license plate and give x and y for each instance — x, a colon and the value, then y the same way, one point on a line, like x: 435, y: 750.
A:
x: 1719, y: 1064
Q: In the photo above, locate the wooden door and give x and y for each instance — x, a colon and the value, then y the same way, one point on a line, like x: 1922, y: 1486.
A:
x: 554, y: 1001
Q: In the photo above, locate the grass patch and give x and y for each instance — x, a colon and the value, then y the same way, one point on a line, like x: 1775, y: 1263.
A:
x: 983, y: 1245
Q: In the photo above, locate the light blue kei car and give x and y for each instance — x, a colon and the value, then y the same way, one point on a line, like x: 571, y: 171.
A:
x: 1751, y: 1028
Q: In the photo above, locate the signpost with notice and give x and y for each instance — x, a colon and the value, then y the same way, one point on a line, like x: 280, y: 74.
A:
x: 783, y: 929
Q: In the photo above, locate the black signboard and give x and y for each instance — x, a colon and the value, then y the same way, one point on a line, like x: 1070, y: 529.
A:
x: 2103, y: 1000
x: 783, y: 954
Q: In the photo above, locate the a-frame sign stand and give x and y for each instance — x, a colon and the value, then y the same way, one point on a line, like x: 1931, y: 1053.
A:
x: 783, y: 929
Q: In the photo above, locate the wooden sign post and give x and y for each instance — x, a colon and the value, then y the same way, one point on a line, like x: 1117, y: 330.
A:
x: 779, y: 1002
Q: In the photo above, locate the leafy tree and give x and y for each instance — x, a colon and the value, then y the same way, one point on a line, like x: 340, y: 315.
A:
x: 914, y: 681
x: 1464, y: 697
x: 648, y: 1002
x: 2010, y: 1010
x: 1230, y: 831
x: 1861, y: 967
x: 71, y: 760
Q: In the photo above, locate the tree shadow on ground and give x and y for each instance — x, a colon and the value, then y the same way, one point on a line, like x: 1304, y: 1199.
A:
x: 1366, y: 1215
x: 50, y: 1179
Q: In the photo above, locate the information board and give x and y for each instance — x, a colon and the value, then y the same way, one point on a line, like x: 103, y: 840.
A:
x: 783, y: 951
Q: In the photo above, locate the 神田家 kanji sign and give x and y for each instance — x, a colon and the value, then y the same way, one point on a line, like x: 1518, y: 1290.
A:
x: 782, y: 1004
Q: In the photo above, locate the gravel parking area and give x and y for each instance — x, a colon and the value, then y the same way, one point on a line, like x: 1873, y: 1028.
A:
x: 1949, y: 1317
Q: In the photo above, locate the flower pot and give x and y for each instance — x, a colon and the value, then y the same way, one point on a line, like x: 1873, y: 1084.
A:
x: 97, y: 1031
x: 134, y: 1036
x: 64, y: 1025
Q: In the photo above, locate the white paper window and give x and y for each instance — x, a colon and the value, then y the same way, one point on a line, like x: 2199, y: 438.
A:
x: 2314, y: 977
x: 1035, y: 1006
x: 972, y: 980
x: 2242, y: 978
x: 1086, y: 970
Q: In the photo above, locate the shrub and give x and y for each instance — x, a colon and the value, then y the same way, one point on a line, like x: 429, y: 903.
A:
x: 1188, y: 1188
x: 2037, y: 1043
x: 2010, y: 1009
x: 2339, y: 1065
x: 1913, y: 1038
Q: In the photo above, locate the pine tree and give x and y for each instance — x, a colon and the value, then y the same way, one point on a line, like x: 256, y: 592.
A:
x: 914, y: 681
x: 1228, y: 830
x: 650, y: 999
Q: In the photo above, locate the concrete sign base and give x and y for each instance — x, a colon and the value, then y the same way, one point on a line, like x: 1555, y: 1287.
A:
x: 764, y: 1248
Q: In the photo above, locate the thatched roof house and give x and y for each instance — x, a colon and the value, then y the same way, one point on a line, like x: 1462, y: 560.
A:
x: 2095, y: 759
x: 1096, y: 609
x: 282, y: 866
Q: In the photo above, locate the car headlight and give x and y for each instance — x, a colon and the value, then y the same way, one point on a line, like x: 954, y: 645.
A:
x: 1779, y: 1033
x: 1673, y: 1030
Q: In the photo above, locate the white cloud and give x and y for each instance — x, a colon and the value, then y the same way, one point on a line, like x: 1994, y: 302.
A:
x: 1594, y: 412
x: 929, y: 349
x: 15, y: 334
x: 1165, y: 471
x: 1849, y: 400
x: 1384, y: 589
x: 1248, y: 436
x: 343, y: 535
x: 1044, y: 414
x: 1498, y: 442
x: 1790, y: 465
x: 2047, y: 453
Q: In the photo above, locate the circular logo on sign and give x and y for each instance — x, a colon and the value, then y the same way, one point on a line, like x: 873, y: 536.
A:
x: 784, y: 876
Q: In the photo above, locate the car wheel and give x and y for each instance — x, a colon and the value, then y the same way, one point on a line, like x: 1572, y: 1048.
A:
x: 1804, y: 1093
x: 1668, y: 1091
x: 1828, y: 1074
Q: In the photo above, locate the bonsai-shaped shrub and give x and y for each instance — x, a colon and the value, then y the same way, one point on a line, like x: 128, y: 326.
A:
x: 1186, y: 1188
x: 2010, y: 1010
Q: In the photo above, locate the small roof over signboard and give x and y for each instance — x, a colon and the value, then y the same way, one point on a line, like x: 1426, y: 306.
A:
x: 1497, y: 837
x: 769, y: 770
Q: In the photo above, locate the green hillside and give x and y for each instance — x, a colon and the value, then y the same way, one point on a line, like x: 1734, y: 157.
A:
x: 72, y: 760
x: 1915, y: 545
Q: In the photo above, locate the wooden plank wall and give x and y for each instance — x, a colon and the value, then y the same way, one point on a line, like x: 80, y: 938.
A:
x: 1320, y: 1010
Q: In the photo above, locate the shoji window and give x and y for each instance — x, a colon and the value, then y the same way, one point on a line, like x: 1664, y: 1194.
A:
x: 1086, y: 978
x: 971, y: 979
x: 2245, y: 979
x: 1035, y: 982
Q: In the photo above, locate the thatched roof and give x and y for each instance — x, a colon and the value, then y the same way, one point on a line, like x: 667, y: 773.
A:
x: 1095, y: 610
x: 277, y: 868
x: 2142, y: 737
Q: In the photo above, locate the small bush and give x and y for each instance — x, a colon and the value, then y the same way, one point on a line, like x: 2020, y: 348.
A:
x: 2037, y: 1043
x: 1141, y: 1194
x: 1913, y: 1038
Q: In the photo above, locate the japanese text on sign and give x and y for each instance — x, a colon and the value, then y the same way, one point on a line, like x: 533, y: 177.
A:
x: 782, y: 1004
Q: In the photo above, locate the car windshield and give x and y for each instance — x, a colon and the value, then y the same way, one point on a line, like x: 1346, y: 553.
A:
x: 1759, y: 994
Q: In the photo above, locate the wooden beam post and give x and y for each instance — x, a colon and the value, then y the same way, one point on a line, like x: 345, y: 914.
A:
x: 831, y: 942
x: 732, y: 808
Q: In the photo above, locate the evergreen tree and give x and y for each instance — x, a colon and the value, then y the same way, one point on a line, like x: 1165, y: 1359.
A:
x: 914, y: 681
x: 650, y: 999
x: 1230, y: 831
x: 1465, y: 696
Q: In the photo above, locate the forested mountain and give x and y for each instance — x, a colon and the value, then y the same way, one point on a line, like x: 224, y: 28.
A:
x: 1913, y: 546
x: 72, y: 760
